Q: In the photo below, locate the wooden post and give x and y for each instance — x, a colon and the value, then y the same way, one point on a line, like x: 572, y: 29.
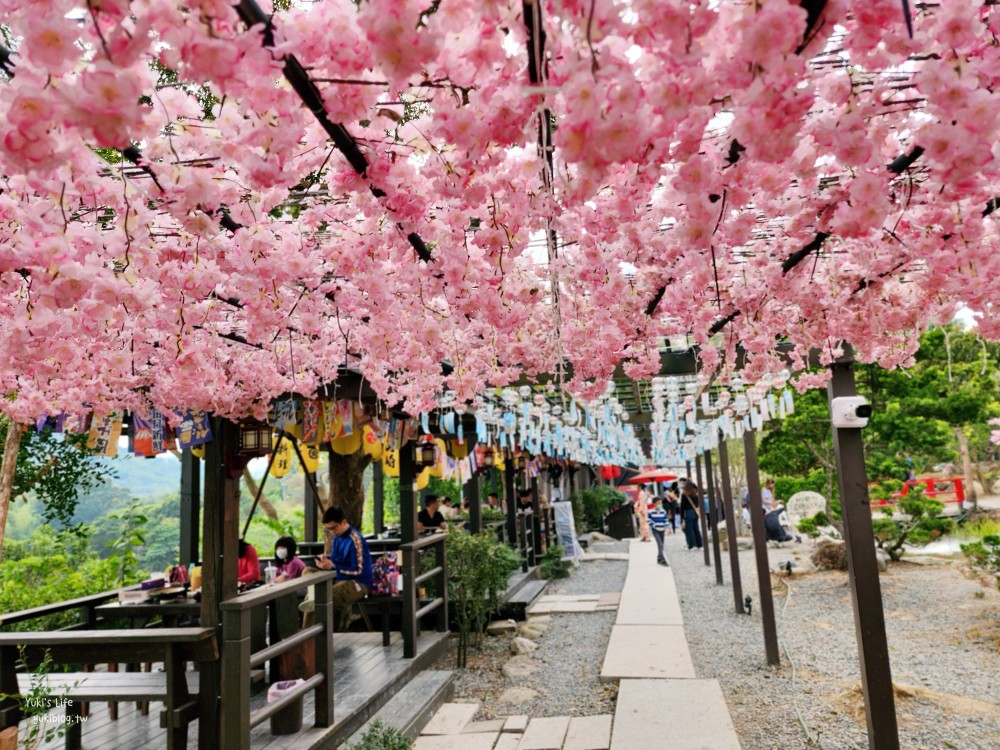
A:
x: 220, y: 519
x: 324, y: 654
x: 407, y: 496
x: 378, y: 497
x: 235, y: 724
x: 862, y: 571
x: 475, y: 505
x: 510, y: 500
x: 760, y: 549
x: 731, y: 511
x: 190, y: 549
x: 309, y: 509
x: 713, y: 516
x: 701, y: 509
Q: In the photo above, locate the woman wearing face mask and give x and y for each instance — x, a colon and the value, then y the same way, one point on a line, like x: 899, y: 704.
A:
x: 289, y: 566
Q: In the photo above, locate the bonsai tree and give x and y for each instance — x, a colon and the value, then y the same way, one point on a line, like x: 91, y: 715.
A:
x: 914, y: 521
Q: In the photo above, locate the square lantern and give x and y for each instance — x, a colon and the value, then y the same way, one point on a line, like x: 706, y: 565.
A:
x: 255, y: 438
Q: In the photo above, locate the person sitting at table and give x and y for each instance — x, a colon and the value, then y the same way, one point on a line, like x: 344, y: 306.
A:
x: 248, y: 566
x: 351, y: 558
x: 289, y: 565
x: 430, y: 518
x: 448, y: 510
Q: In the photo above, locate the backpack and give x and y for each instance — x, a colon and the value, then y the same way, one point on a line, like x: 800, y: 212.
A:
x: 385, y: 574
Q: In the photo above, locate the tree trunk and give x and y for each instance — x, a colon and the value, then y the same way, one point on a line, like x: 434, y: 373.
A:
x: 264, y: 503
x: 7, y: 467
x: 963, y: 449
x: 347, y: 490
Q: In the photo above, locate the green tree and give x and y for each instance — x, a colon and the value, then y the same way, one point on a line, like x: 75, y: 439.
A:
x: 56, y: 468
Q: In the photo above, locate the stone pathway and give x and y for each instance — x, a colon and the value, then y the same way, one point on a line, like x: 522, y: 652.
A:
x: 660, y: 701
x: 451, y: 728
x: 546, y: 605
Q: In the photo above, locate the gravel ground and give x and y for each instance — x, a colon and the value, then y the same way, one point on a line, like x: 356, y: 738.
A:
x: 569, y: 656
x: 944, y: 646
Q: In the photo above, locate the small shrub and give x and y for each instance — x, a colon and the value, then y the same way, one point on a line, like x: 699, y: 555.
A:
x: 830, y: 556
x: 914, y: 521
x: 383, y: 737
x: 985, y: 555
x: 478, y: 569
x: 552, y: 564
x: 591, y: 506
x: 810, y: 526
x: 39, y: 699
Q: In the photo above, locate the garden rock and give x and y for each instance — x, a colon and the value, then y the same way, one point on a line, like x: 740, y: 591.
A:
x: 499, y: 627
x: 522, y: 646
x: 882, y: 558
x: 744, y: 542
x: 517, y: 695
x: 519, y: 666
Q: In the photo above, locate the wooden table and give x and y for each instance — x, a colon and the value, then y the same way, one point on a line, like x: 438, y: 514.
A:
x: 170, y: 611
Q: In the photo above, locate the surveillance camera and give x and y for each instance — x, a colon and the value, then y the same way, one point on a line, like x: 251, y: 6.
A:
x: 850, y: 412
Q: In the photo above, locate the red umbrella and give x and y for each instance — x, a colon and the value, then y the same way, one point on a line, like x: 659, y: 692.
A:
x: 652, y: 475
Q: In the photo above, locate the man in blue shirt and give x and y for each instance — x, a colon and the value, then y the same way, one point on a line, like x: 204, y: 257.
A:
x: 351, y: 558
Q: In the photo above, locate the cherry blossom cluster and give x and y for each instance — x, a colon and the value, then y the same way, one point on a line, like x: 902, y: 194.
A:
x: 206, y: 205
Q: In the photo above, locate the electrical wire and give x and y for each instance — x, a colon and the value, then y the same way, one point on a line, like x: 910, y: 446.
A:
x: 809, y: 737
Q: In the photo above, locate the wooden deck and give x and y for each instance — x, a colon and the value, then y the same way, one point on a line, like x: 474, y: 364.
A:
x: 366, y: 676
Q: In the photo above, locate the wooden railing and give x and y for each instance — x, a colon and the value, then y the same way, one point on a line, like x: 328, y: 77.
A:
x: 237, y: 660
x: 85, y: 604
x: 412, y: 580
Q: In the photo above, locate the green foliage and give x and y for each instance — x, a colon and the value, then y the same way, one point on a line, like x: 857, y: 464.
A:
x: 592, y: 505
x: 491, y: 514
x: 53, y: 566
x: 383, y: 737
x: 810, y: 526
x: 58, y: 469
x: 132, y: 536
x: 478, y: 569
x: 39, y: 699
x: 786, y: 486
x: 552, y: 564
x: 914, y: 521
x: 985, y: 555
x: 445, y: 488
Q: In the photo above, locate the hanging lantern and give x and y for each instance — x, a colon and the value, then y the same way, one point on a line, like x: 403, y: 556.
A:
x: 255, y: 439
x: 425, y: 455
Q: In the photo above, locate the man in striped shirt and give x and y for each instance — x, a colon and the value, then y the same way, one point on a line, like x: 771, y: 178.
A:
x: 658, y: 520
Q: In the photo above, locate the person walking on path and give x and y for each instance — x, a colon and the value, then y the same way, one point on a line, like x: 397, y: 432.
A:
x: 689, y: 515
x: 641, y: 510
x: 658, y: 520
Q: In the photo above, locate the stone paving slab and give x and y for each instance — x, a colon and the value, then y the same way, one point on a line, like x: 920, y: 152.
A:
x: 508, y: 742
x: 701, y: 720
x: 545, y: 734
x: 495, y: 726
x: 455, y: 742
x: 451, y: 718
x: 594, y: 556
x: 647, y: 652
x: 589, y: 733
x: 569, y: 598
x: 516, y: 723
x: 650, y: 601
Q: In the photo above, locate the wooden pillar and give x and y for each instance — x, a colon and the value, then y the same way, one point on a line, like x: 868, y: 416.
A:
x: 190, y: 547
x: 862, y: 571
x: 220, y: 539
x: 701, y: 508
x: 731, y: 511
x: 536, y: 518
x: 378, y: 497
x: 309, y: 509
x: 760, y: 549
x: 713, y: 517
x: 475, y: 504
x: 407, y: 495
x: 511, y: 499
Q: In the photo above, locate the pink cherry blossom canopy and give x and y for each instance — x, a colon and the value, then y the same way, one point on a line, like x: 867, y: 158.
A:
x: 206, y: 205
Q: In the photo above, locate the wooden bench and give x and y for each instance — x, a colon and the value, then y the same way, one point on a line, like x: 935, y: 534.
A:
x: 171, y: 646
